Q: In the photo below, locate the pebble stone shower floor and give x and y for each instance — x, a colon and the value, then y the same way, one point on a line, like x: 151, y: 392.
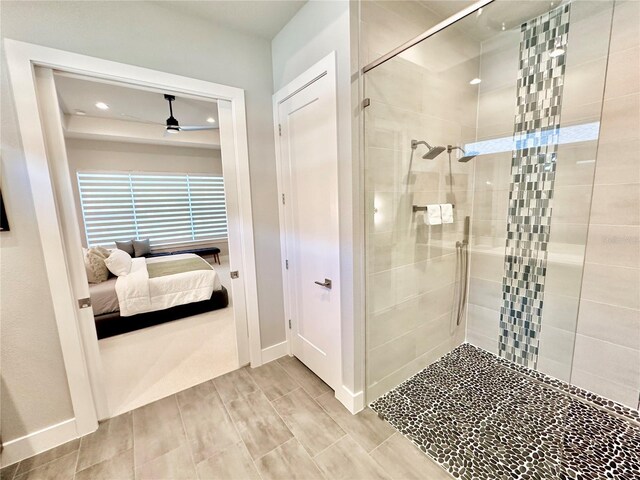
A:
x: 481, y: 417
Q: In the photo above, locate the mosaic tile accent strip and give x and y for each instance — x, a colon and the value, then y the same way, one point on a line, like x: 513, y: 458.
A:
x: 480, y: 419
x: 533, y: 169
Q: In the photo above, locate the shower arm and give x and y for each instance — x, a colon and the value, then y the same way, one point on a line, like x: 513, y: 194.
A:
x: 415, y: 143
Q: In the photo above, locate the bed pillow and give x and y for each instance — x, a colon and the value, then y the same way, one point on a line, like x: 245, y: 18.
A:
x: 97, y: 270
x: 119, y: 262
x: 126, y: 247
x: 141, y: 248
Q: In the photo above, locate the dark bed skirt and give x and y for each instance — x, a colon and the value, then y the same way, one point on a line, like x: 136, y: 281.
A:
x: 110, y: 324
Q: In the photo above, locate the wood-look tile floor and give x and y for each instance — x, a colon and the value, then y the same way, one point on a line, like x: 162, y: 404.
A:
x: 278, y: 421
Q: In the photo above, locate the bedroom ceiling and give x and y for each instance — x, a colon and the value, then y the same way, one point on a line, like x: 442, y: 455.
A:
x: 134, y: 115
x: 263, y: 18
x: 129, y: 104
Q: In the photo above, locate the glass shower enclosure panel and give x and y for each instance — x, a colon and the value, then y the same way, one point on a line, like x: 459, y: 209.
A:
x: 496, y: 119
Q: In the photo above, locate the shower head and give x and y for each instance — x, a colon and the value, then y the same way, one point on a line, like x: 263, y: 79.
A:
x: 465, y: 158
x: 432, y: 153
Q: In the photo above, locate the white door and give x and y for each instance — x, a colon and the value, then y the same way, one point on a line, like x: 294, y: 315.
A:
x: 308, y: 180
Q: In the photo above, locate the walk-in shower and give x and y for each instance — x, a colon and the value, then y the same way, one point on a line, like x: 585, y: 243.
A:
x: 499, y: 334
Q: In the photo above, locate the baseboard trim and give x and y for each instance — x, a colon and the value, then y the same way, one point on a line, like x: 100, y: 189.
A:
x: 274, y: 351
x: 38, y: 442
x: 354, y: 402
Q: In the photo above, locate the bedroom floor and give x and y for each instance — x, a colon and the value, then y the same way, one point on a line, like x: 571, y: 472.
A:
x: 278, y: 421
x: 146, y: 365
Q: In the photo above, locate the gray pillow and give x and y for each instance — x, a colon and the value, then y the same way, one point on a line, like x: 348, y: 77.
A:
x: 125, y: 246
x: 141, y: 248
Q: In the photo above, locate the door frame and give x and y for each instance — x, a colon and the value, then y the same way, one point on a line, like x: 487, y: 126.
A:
x: 324, y: 67
x: 22, y: 59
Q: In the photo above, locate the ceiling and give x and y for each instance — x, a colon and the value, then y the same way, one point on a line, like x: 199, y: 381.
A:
x: 260, y: 18
x: 130, y: 104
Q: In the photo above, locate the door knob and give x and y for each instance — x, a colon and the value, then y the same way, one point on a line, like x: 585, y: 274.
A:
x: 326, y: 283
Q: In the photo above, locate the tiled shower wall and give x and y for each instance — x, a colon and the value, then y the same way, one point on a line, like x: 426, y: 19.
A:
x: 582, y: 94
x: 607, y: 345
x: 410, y: 266
x: 607, y: 350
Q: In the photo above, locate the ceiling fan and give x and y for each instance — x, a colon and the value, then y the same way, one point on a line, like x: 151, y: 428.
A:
x: 172, y: 124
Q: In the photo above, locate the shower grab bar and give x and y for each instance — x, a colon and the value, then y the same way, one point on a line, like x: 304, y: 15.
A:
x: 432, y: 31
x: 417, y: 208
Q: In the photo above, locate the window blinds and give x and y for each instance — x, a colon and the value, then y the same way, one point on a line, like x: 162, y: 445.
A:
x: 165, y: 208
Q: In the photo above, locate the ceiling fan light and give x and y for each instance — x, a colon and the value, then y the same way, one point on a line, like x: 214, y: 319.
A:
x: 173, y: 129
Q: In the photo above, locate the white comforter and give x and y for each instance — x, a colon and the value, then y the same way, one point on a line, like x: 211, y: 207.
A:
x: 137, y: 293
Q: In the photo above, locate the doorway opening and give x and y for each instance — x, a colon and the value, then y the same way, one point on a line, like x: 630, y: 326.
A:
x: 64, y: 230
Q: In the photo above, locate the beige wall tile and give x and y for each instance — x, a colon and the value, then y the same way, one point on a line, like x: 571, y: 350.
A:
x: 588, y: 39
x: 490, y: 204
x: 433, y: 333
x: 611, y: 285
x: 618, y: 162
x: 485, y: 293
x: 620, y: 365
x: 555, y: 352
x: 614, y: 245
x: 391, y: 323
x: 483, y: 322
x: 570, y: 204
x: 616, y: 204
x: 583, y: 83
x: 626, y: 25
x: 617, y: 325
x: 487, y: 266
x: 560, y: 311
x: 620, y: 119
x: 391, y: 356
x: 563, y: 278
x: 623, y: 74
x: 490, y: 344
x: 576, y: 163
x: 625, y: 394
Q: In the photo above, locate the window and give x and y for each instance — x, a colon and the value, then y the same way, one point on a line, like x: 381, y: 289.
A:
x: 168, y: 209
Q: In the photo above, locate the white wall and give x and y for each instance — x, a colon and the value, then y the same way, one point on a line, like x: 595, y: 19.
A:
x: 34, y: 389
x: 85, y: 155
x: 315, y: 31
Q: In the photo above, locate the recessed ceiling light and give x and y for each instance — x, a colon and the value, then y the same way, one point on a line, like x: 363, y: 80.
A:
x: 80, y: 112
x: 102, y: 106
x: 475, y: 81
x: 211, y: 120
x: 504, y: 27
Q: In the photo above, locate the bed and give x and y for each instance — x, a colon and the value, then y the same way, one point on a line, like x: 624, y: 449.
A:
x: 155, y: 291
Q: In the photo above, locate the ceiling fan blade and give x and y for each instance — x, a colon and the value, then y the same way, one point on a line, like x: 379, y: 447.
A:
x: 195, y: 128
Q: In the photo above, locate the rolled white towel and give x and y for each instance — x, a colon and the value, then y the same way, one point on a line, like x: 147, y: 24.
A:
x: 446, y: 210
x: 433, y: 216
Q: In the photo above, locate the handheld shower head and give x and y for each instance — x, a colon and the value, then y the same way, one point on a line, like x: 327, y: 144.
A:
x: 432, y: 153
